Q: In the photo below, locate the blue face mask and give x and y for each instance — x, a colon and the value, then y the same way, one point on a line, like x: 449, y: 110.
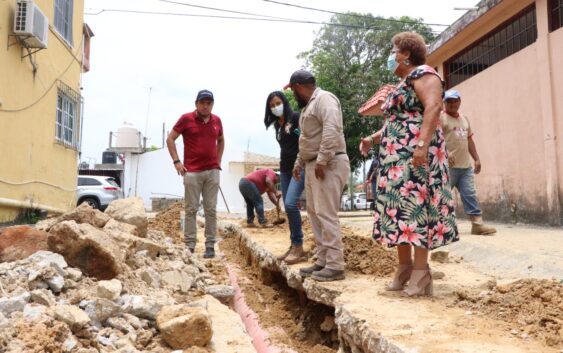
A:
x: 392, y: 63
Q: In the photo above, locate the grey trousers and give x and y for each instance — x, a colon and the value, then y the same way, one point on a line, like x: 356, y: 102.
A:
x: 205, y: 185
x: 323, y: 202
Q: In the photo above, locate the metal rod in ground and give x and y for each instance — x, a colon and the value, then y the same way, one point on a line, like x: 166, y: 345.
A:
x: 225, y: 201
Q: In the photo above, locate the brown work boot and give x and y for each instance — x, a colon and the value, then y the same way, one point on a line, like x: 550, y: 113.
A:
x: 284, y: 255
x: 266, y: 225
x: 481, y: 229
x: 296, y: 255
x: 308, y: 271
x: 328, y: 275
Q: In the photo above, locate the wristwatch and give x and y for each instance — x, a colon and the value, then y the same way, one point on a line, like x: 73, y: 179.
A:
x: 177, y: 161
x: 420, y: 143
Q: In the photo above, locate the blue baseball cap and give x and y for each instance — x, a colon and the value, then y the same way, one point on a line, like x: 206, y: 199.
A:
x: 451, y: 94
x: 204, y: 94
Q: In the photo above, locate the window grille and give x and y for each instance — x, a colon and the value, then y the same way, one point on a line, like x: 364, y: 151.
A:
x: 556, y: 14
x: 505, y: 40
x: 67, y: 124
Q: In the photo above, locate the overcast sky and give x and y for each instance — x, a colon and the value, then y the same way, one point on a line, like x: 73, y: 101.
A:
x: 240, y: 61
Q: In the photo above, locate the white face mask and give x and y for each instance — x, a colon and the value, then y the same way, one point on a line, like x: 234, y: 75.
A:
x: 277, y: 110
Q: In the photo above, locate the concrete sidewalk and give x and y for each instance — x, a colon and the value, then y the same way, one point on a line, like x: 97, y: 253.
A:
x: 515, y: 251
x: 371, y: 319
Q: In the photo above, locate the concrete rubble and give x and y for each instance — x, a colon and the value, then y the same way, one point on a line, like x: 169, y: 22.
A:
x: 103, y: 282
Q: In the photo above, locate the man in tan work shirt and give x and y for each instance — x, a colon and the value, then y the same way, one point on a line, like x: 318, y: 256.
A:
x: 322, y: 152
x: 461, y: 149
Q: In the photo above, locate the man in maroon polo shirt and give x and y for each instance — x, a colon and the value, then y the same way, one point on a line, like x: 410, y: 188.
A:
x: 202, y: 133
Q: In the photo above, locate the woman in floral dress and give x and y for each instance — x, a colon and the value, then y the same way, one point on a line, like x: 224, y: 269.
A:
x: 414, y: 200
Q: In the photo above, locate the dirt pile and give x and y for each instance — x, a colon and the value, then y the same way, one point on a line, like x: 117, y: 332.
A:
x: 534, y: 307
x: 364, y: 256
x: 168, y: 221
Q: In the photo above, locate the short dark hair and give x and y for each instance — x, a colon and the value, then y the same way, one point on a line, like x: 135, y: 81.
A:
x: 414, y: 43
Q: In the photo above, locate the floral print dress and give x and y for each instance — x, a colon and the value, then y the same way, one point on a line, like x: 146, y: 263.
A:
x: 414, y: 206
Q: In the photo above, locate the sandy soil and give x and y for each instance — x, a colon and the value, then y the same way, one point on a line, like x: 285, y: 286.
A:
x: 533, y: 307
x: 168, y: 221
x: 290, y: 322
x: 361, y: 254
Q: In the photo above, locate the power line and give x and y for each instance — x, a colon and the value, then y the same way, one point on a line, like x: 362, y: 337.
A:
x: 100, y: 11
x: 224, y: 10
x: 353, y: 15
x: 74, y: 58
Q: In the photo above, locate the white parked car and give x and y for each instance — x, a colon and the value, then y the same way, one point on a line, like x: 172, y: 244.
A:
x: 97, y: 191
x: 361, y: 202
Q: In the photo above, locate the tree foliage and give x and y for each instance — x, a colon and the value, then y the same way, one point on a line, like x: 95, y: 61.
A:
x: 351, y: 63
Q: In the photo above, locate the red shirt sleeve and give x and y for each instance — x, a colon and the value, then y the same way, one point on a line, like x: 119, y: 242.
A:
x: 220, y: 125
x: 180, y: 124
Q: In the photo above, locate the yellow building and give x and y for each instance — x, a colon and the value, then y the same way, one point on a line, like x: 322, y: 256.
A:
x: 40, y: 104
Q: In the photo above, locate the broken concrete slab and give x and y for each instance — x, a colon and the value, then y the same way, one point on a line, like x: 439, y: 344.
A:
x: 73, y: 316
x: 94, y: 252
x: 143, y: 306
x: 86, y: 214
x: 8, y: 305
x: 110, y: 290
x: 131, y: 211
x: 175, y: 321
x: 231, y: 334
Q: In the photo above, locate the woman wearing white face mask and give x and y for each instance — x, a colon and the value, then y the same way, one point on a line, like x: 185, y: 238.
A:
x: 286, y: 124
x: 414, y: 206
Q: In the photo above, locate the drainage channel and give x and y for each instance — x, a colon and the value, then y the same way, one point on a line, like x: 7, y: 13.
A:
x: 278, y: 318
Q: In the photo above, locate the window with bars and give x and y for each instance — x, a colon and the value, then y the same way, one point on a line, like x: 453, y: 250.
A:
x: 67, y: 125
x: 63, y: 19
x: 505, y: 40
x: 555, y: 14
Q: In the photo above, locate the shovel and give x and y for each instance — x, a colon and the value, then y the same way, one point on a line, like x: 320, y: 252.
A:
x: 279, y: 220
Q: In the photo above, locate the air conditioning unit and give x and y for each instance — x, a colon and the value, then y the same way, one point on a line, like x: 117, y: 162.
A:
x: 30, y: 24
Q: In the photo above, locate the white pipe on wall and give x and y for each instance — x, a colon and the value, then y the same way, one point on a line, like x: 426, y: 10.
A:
x: 28, y: 204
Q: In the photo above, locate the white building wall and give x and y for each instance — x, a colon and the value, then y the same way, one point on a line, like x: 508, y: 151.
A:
x: 152, y: 174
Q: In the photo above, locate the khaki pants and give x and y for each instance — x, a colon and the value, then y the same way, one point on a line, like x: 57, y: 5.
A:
x: 323, y: 202
x: 205, y: 185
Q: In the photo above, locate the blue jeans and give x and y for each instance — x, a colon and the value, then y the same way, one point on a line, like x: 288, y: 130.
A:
x: 291, y: 192
x: 462, y: 179
x: 253, y: 200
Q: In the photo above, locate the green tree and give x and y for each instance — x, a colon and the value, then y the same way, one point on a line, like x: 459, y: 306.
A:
x: 351, y: 63
x: 291, y: 98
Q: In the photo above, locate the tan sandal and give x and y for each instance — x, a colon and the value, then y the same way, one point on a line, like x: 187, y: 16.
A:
x: 401, y: 277
x: 419, y: 284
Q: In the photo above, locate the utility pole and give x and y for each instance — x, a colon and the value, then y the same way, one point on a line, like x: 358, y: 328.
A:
x: 163, y: 129
x: 148, y: 111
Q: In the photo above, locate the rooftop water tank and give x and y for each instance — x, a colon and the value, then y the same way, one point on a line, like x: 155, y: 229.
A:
x: 127, y: 137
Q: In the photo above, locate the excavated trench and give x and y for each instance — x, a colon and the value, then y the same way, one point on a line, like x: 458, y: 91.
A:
x: 289, y: 322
